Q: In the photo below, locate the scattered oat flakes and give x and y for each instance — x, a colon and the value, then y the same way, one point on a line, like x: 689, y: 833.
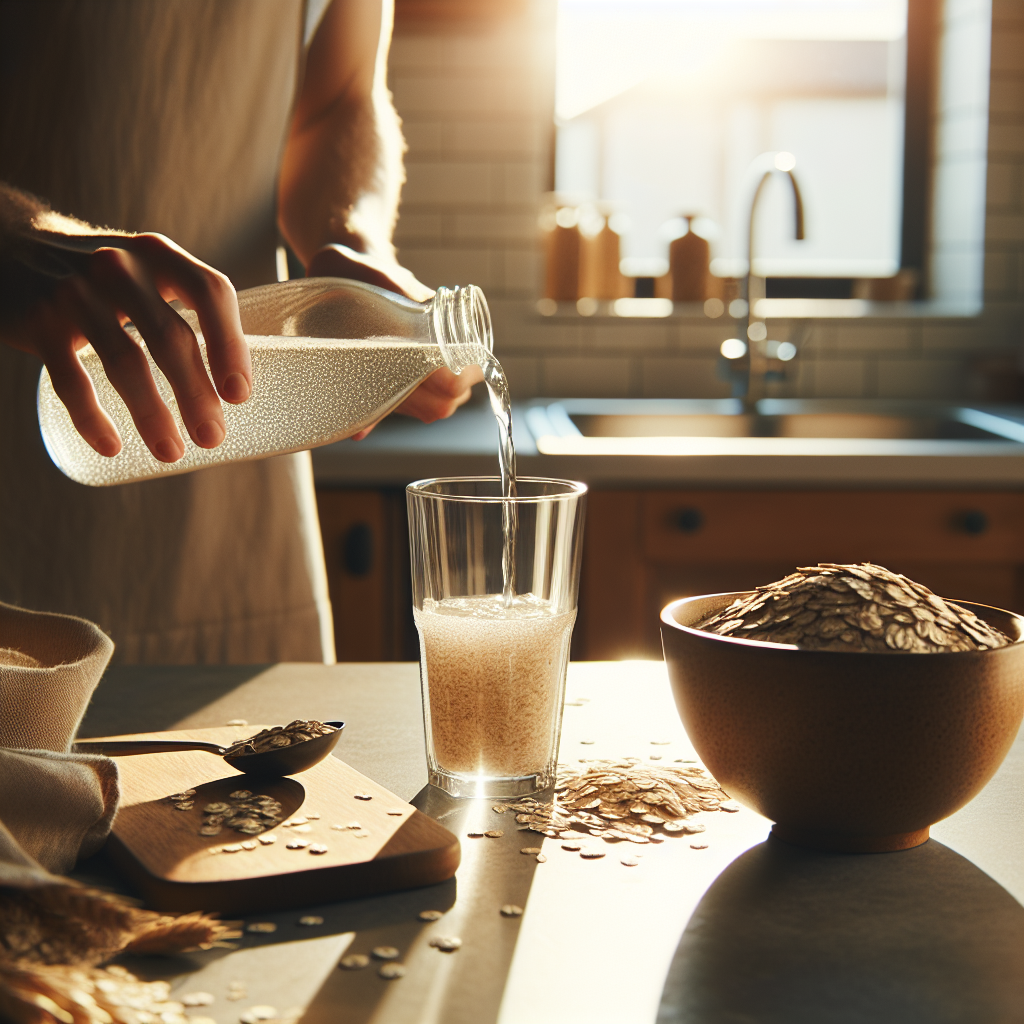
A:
x: 511, y: 910
x: 446, y: 945
x: 396, y: 813
x: 475, y: 835
x: 588, y: 743
x: 698, y: 846
x: 385, y: 952
x: 363, y: 796
x: 261, y: 927
x: 255, y: 1014
x: 318, y: 848
x: 268, y: 840
x: 297, y: 844
x: 389, y: 972
x: 430, y: 915
x: 240, y: 794
x: 591, y: 854
x: 629, y: 862
x: 622, y: 800
x: 293, y: 821
x: 354, y: 962
x: 362, y: 834
x: 249, y: 844
x: 311, y: 920
x: 730, y: 806
x: 302, y: 828
x: 196, y: 999
x: 530, y: 849
x: 572, y: 847
x: 494, y: 833
x: 312, y: 816
x: 231, y: 848
x: 238, y: 721
x: 542, y: 858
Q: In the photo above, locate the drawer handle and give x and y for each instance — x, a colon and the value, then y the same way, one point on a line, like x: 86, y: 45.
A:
x: 357, y: 550
x: 688, y: 520
x: 973, y: 522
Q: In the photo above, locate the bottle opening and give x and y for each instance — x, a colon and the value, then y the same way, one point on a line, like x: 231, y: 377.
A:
x: 460, y: 324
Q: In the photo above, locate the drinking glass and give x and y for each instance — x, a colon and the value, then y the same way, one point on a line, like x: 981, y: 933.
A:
x: 494, y: 630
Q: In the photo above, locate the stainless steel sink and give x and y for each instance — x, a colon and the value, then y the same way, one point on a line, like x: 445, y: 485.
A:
x: 788, y: 425
x: 658, y: 420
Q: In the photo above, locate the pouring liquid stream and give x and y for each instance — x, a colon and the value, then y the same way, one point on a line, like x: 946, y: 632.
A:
x: 501, y: 406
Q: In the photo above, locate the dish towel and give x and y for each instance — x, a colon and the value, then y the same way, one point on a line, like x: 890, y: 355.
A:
x: 54, y: 806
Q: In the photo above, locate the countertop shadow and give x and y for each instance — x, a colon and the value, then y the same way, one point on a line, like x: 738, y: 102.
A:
x: 172, y: 692
x: 791, y: 936
x: 463, y: 988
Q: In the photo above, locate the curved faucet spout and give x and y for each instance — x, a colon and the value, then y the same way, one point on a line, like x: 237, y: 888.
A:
x: 755, y: 363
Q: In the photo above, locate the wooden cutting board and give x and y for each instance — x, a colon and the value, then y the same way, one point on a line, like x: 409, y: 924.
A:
x: 159, y: 849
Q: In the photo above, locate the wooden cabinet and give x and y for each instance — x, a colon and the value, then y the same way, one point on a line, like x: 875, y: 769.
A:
x: 643, y: 549
x: 366, y: 549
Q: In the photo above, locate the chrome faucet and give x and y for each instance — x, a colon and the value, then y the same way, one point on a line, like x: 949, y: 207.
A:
x: 751, y: 372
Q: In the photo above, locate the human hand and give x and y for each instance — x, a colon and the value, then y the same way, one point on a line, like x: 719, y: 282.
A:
x: 337, y: 260
x: 442, y: 392
x: 133, y: 277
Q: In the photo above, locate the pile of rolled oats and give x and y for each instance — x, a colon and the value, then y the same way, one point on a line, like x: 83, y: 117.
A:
x: 854, y: 608
x: 280, y: 736
x: 622, y: 800
x: 244, y: 811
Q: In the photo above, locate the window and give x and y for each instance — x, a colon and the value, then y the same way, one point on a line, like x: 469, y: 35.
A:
x: 662, y: 107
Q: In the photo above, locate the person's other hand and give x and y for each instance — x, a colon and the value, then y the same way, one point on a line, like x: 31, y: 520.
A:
x: 443, y: 391
x: 133, y: 278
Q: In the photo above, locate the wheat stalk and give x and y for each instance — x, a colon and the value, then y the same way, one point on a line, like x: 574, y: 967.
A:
x: 52, y: 939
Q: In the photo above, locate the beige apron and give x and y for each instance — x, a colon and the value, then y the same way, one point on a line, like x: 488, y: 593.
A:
x: 170, y: 116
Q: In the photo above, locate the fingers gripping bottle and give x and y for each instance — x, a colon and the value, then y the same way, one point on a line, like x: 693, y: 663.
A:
x: 329, y: 357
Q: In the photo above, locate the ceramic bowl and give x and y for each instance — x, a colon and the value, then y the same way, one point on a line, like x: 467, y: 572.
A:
x: 843, y: 751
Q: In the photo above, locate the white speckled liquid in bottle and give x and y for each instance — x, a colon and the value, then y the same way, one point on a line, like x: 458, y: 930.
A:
x: 329, y: 357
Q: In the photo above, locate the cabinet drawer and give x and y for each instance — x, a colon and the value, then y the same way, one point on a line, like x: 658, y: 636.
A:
x: 804, y: 527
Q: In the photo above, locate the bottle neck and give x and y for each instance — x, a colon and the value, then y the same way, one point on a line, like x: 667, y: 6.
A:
x: 460, y: 325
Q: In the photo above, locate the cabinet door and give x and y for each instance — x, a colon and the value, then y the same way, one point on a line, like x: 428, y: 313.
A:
x: 366, y: 552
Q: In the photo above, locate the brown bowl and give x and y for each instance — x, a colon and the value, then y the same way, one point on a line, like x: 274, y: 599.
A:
x: 851, y: 752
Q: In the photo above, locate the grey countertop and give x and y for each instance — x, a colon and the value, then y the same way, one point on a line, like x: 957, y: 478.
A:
x: 746, y: 929
x: 401, y: 450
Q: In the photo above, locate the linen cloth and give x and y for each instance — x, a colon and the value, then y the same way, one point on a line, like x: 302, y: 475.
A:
x: 169, y: 116
x: 55, y: 806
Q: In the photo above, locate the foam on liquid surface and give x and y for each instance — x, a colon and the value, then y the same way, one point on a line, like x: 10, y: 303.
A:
x: 493, y: 677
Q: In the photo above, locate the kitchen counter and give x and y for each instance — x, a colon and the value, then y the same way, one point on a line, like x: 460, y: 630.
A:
x: 401, y: 450
x: 746, y: 929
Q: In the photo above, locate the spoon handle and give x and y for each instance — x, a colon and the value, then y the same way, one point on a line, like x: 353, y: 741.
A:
x: 120, y: 748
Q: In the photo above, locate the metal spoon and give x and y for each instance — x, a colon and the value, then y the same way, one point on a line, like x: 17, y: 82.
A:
x: 268, y: 764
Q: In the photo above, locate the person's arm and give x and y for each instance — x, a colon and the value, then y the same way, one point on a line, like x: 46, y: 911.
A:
x: 64, y: 284
x: 342, y: 174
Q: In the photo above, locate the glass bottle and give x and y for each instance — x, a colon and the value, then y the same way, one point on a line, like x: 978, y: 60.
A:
x: 329, y: 357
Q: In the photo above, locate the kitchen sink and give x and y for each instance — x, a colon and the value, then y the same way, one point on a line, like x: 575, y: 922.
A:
x: 658, y: 421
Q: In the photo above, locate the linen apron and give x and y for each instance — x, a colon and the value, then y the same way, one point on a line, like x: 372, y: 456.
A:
x: 169, y: 116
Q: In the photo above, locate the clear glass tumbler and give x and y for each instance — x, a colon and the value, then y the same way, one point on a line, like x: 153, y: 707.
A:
x: 494, y: 637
